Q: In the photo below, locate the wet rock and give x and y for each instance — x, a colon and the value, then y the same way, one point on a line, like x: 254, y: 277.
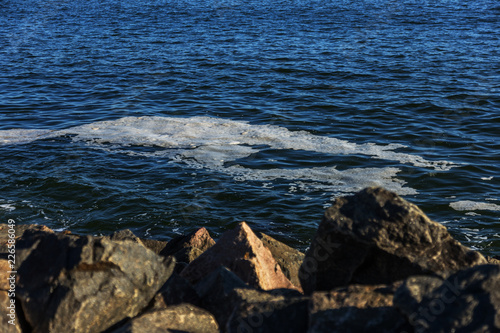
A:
x: 356, y: 308
x: 244, y: 254
x: 466, y: 301
x: 187, y: 248
x: 377, y: 237
x: 175, y: 291
x: 177, y: 318
x: 85, y: 284
x: 288, y: 258
x: 262, y: 312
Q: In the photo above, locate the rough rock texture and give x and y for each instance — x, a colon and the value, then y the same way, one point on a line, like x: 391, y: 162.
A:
x: 187, y: 248
x: 19, y: 231
x: 268, y: 313
x: 356, y: 308
x: 127, y: 234
x: 7, y: 316
x: 175, y: 291
x: 288, y: 258
x: 85, y: 284
x: 177, y: 318
x: 216, y: 292
x: 376, y: 237
x: 244, y: 254
x: 467, y: 301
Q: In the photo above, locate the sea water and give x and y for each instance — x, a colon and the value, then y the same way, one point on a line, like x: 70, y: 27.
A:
x: 164, y: 116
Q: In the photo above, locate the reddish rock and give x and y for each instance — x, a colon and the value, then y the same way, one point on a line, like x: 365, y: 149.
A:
x: 187, y: 248
x: 243, y: 253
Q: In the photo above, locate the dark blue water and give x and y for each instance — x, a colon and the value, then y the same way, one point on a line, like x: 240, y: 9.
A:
x: 159, y: 116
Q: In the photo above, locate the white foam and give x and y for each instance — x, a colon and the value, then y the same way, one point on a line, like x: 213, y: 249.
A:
x: 206, y: 142
x: 7, y: 207
x: 474, y: 205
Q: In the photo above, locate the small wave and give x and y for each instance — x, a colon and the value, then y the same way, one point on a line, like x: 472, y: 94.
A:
x: 474, y: 205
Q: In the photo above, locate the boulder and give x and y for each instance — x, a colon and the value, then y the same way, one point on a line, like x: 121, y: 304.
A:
x: 377, y: 237
x: 85, y: 284
x: 243, y: 253
x: 19, y: 230
x: 466, y: 301
x: 9, y: 315
x: 177, y: 318
x: 264, y: 312
x: 175, y: 291
x: 356, y: 308
x: 127, y: 234
x: 187, y: 248
x: 288, y: 258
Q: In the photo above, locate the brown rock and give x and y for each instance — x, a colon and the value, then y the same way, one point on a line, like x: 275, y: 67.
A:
x: 244, y: 254
x: 175, y: 291
x: 177, y: 318
x: 377, y: 237
x: 187, y: 248
x: 19, y: 230
x: 288, y: 258
x: 127, y: 234
x: 5, y: 274
x: 9, y: 317
x: 356, y: 308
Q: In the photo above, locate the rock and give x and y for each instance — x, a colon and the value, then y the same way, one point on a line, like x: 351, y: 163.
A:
x: 9, y: 315
x: 126, y: 234
x: 216, y: 293
x: 175, y: 291
x: 467, y: 301
x: 19, y: 230
x: 177, y: 318
x: 268, y: 313
x: 377, y: 237
x: 244, y: 254
x: 356, y: 308
x: 288, y: 258
x: 85, y: 284
x: 187, y: 248
x: 5, y: 274
x: 493, y: 260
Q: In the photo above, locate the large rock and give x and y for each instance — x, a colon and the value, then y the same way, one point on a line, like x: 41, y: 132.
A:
x: 175, y: 291
x: 174, y: 319
x: 467, y: 301
x: 126, y: 234
x: 187, y: 248
x: 85, y: 284
x: 288, y: 258
x: 9, y: 315
x: 262, y: 312
x: 356, y: 308
x: 376, y: 237
x: 244, y: 254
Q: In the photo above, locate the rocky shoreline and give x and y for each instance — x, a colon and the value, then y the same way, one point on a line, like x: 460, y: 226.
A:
x: 377, y: 263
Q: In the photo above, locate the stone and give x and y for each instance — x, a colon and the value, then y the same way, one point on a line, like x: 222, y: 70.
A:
x: 127, y: 234
x: 85, y: 284
x: 5, y: 274
x: 242, y: 252
x: 466, y: 301
x: 187, y: 248
x: 9, y: 317
x: 268, y: 313
x: 19, y: 230
x: 493, y: 260
x: 175, y: 291
x: 356, y: 308
x: 287, y: 257
x: 216, y: 293
x: 177, y: 318
x: 377, y: 237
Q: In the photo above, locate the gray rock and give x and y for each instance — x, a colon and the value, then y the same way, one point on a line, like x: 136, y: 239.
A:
x: 85, y: 284
x: 174, y: 319
x: 467, y: 301
x: 127, y: 234
x: 377, y: 237
x: 356, y: 308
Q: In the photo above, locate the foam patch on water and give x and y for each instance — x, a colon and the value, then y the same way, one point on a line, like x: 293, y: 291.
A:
x: 474, y: 205
x: 206, y: 142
